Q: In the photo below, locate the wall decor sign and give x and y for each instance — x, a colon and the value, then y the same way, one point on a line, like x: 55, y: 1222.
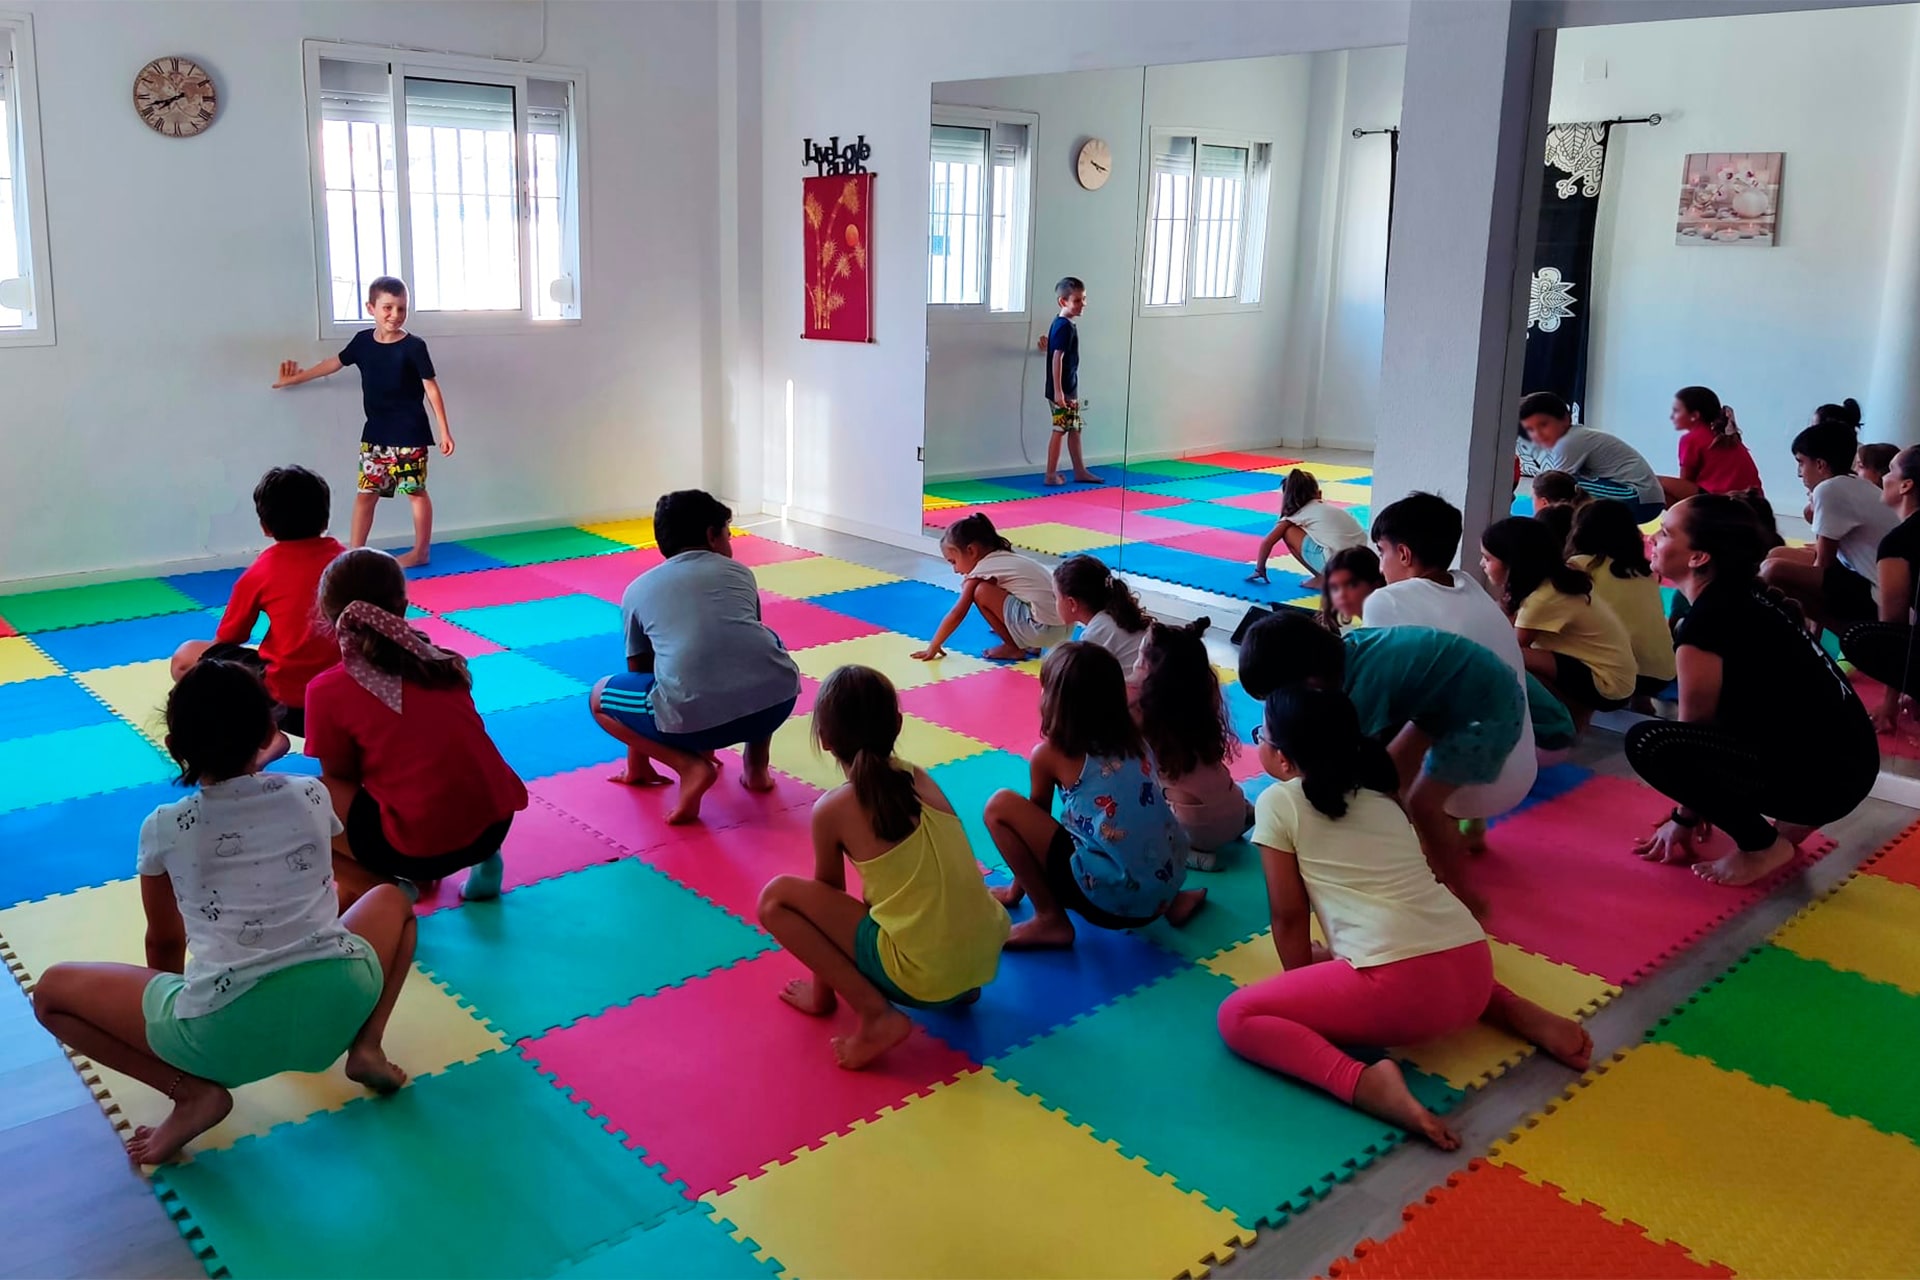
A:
x: 837, y: 222
x: 1730, y: 198
x: 834, y: 160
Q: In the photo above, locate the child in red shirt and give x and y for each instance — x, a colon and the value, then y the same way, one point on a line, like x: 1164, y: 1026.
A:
x: 417, y: 783
x: 1712, y: 458
x: 294, y: 506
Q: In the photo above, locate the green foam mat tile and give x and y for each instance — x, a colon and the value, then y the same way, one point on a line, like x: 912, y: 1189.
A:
x: 1175, y: 469
x: 482, y: 1170
x: 687, y: 1244
x: 543, y: 546
x: 101, y: 602
x: 1236, y: 907
x: 550, y: 952
x: 970, y: 491
x: 1168, y: 1090
x: 1822, y: 1034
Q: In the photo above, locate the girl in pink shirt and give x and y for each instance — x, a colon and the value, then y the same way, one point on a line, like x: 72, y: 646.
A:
x: 1185, y: 723
x: 1712, y: 457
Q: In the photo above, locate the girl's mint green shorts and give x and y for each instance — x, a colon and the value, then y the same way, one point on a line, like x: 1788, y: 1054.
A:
x: 296, y: 1019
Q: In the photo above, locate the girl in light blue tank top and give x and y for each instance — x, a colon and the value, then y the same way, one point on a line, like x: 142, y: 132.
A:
x: 1129, y: 850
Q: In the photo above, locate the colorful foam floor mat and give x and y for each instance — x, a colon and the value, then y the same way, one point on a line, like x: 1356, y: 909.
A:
x: 603, y: 1081
x: 1768, y: 1127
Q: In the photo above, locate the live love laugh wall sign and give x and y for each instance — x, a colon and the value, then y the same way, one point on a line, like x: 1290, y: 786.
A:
x: 837, y: 210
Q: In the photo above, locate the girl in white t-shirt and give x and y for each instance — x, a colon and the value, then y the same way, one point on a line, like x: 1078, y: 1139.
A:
x: 1312, y: 529
x: 1403, y: 963
x: 248, y: 971
x: 1104, y: 607
x: 1014, y: 594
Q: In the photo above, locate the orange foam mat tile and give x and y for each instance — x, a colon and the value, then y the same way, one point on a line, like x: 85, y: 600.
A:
x: 1900, y: 860
x: 1490, y: 1223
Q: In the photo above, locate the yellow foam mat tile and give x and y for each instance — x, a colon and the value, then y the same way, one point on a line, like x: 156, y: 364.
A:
x: 889, y: 653
x: 921, y: 741
x: 1733, y: 1171
x: 104, y: 923
x: 818, y: 575
x: 21, y: 659
x: 1334, y: 491
x: 975, y: 1180
x: 635, y: 533
x: 137, y: 693
x: 1057, y: 539
x: 1871, y: 927
x: 1471, y: 1057
x: 929, y: 502
x: 1324, y: 472
x: 1305, y: 602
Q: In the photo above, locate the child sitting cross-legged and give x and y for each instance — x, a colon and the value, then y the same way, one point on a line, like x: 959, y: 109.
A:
x: 1404, y: 962
x: 1013, y: 593
x: 1117, y: 857
x: 1185, y: 723
x: 249, y: 972
x: 928, y: 933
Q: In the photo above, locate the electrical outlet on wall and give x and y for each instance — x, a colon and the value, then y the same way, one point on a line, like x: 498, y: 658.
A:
x: 920, y: 454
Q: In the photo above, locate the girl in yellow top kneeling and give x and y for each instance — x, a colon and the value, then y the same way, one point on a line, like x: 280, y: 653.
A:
x: 1571, y: 641
x: 929, y: 933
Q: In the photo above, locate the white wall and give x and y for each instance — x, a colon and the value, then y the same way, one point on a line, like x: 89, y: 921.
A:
x: 847, y: 66
x: 184, y: 271
x: 1775, y: 331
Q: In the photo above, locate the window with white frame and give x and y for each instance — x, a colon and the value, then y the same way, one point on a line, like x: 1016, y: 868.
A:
x: 1206, y: 222
x: 26, y: 302
x: 459, y: 175
x: 979, y: 200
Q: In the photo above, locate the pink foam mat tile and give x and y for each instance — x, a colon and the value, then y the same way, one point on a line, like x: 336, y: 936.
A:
x: 1246, y: 764
x: 1224, y: 544
x: 753, y: 551
x: 485, y: 588
x: 448, y: 636
x: 6, y: 629
x: 717, y: 1078
x: 1560, y: 879
x: 730, y: 866
x: 635, y: 818
x: 1011, y: 515
x: 603, y: 577
x: 1000, y: 707
x: 1266, y: 501
x: 801, y: 624
x: 809, y: 690
x: 1239, y: 461
x: 543, y: 843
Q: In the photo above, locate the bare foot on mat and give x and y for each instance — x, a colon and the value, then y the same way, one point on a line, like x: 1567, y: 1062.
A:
x: 372, y: 1068
x: 694, y: 784
x: 1740, y: 868
x: 198, y: 1105
x: 871, y: 1039
x: 1383, y: 1092
x: 815, y: 999
x: 1184, y: 904
x: 1042, y: 933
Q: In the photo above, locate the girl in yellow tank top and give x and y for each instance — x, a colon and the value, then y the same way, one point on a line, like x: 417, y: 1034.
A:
x: 928, y: 933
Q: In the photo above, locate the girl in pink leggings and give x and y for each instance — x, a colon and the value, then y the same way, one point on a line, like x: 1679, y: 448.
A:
x: 1404, y: 961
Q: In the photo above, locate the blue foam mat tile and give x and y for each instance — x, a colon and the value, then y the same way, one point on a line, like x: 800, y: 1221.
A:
x: 296, y: 764
x: 1213, y: 488
x: 47, y: 705
x: 210, y: 587
x: 451, y: 557
x: 1248, y: 481
x: 536, y: 622
x: 588, y: 659
x: 968, y: 784
x: 75, y: 844
x: 681, y: 1245
x: 504, y: 680
x: 1224, y: 577
x: 114, y: 644
x: 1035, y: 481
x: 50, y: 767
x: 1212, y: 515
x: 546, y: 738
x: 912, y: 608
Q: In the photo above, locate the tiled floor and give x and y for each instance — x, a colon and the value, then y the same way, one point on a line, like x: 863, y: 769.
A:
x: 604, y: 1082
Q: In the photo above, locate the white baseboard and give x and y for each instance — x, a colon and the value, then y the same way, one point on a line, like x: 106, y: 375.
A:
x: 915, y: 541
x: 1898, y: 788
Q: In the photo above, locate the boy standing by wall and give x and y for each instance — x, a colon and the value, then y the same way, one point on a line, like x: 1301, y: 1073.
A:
x: 1062, y: 345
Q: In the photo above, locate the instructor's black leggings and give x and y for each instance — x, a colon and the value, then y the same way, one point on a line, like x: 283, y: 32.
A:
x: 1737, y: 784
x: 1884, y: 650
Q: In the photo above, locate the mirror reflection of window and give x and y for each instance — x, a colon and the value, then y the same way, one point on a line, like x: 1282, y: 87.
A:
x: 1206, y: 221
x: 977, y: 201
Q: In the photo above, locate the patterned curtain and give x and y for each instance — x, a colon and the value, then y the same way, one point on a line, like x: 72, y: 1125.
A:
x: 1562, y: 298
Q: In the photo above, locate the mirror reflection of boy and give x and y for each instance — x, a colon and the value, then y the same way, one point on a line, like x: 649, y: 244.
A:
x: 1062, y: 346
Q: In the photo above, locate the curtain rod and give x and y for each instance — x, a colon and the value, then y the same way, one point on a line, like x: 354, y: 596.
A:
x: 1361, y: 133
x: 1653, y: 120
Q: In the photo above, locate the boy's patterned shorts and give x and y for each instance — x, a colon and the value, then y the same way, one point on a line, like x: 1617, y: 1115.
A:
x: 1067, y: 418
x: 388, y: 470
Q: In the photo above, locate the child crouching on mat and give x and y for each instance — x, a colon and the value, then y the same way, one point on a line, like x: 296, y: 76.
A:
x: 1117, y: 857
x: 1404, y: 961
x: 1014, y: 594
x: 928, y: 933
x: 248, y: 971
x: 419, y: 785
x: 1185, y: 724
x: 1312, y: 529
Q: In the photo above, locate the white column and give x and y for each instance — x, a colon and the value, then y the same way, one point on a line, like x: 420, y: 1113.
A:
x: 1473, y: 134
x: 1893, y: 395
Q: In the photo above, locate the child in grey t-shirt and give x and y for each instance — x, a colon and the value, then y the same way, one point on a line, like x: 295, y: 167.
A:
x: 703, y: 671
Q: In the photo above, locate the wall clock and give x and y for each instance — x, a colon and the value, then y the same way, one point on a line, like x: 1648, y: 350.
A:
x: 1095, y: 164
x: 175, y: 96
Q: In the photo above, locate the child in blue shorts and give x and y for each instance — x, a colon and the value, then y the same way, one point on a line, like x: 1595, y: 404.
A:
x: 1447, y: 709
x: 248, y: 971
x: 703, y: 671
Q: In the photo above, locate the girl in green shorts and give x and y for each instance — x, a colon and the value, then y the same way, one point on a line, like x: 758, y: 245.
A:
x: 248, y: 971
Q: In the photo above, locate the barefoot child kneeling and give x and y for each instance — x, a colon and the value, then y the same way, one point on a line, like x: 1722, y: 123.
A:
x: 1117, y: 857
x: 1013, y: 593
x: 929, y: 934
x: 248, y: 971
x: 1404, y: 961
x: 703, y: 671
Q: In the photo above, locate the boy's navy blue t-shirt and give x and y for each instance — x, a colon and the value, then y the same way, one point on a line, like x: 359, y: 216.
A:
x: 392, y: 388
x: 1064, y: 337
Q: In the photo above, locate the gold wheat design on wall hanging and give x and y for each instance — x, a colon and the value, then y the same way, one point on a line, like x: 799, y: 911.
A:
x: 839, y: 253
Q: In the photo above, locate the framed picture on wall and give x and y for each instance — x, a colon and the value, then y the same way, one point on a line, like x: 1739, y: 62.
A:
x: 1730, y: 198
x: 837, y: 225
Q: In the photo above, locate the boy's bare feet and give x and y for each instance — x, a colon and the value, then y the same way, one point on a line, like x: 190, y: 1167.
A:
x: 1383, y: 1092
x: 413, y: 559
x: 198, y: 1105
x: 1742, y: 868
x: 1007, y: 895
x: 1087, y: 477
x: 1042, y: 933
x: 1006, y: 653
x: 1564, y: 1038
x: 1184, y: 904
x: 1053, y: 479
x: 371, y: 1067
x: 639, y: 774
x: 694, y: 784
x: 815, y: 999
x: 871, y: 1039
x: 757, y: 779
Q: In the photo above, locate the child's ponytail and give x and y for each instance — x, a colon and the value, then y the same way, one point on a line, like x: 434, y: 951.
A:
x: 976, y: 530
x: 1318, y: 731
x: 856, y: 720
x: 1704, y: 404
x: 363, y: 597
x: 1299, y: 489
x: 1088, y: 580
